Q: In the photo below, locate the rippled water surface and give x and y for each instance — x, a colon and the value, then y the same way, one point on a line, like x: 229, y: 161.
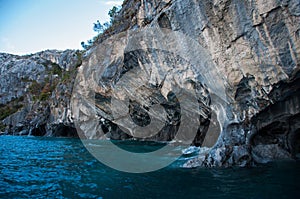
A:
x: 62, y: 168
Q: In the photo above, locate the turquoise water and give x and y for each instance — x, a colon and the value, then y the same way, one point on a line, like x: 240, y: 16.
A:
x: 62, y: 168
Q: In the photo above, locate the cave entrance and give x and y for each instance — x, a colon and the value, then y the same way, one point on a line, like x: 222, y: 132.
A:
x: 39, y: 131
x: 65, y: 131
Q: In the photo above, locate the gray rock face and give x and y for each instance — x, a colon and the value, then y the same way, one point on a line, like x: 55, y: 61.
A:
x: 14, y: 69
x: 221, y: 74
x: 65, y: 59
x: 35, y: 92
x: 239, y: 58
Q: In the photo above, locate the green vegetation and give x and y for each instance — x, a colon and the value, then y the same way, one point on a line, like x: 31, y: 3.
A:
x: 55, y: 75
x: 41, y: 91
x: 10, y: 108
x: 56, y: 70
x: 69, y: 76
x: 102, y: 28
x: 41, y: 97
x: 7, y: 111
x: 44, y: 96
x: 113, y: 13
x: 79, y: 58
x: 35, y: 88
x: 66, y: 76
x: 2, y: 127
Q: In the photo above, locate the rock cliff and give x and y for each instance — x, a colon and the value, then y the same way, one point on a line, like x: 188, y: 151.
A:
x: 221, y: 74
x: 35, y: 92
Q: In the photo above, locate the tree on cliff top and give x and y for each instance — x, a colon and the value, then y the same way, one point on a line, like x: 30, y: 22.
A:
x: 100, y: 28
x: 113, y: 13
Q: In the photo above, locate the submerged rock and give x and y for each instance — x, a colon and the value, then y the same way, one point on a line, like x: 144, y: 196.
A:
x: 192, y: 150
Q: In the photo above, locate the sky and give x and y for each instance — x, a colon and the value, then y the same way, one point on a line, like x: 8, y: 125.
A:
x: 29, y: 26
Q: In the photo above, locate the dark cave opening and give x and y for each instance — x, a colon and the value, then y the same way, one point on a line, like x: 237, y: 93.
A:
x: 65, y: 131
x: 39, y: 131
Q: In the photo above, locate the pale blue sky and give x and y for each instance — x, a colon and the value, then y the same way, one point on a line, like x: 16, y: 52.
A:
x: 29, y: 26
